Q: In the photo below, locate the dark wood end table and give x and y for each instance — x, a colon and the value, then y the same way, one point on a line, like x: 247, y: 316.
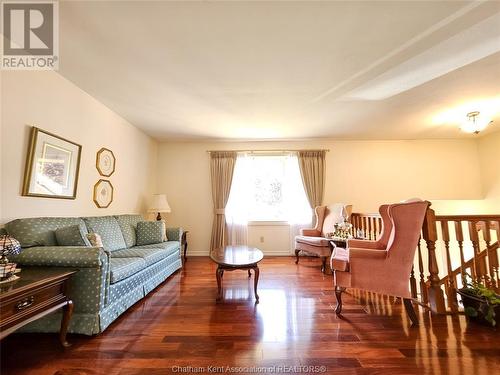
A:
x: 37, y: 292
x: 230, y: 258
x: 184, y: 243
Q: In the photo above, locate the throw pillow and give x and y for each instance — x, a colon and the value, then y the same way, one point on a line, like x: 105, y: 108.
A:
x: 150, y: 232
x: 95, y: 239
x: 71, y: 236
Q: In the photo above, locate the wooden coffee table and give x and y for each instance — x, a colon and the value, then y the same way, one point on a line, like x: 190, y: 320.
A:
x: 230, y: 258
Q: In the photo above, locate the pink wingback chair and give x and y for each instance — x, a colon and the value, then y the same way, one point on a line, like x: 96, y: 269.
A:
x: 382, y: 266
x: 314, y: 240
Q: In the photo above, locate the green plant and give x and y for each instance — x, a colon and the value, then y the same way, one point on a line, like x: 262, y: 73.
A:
x: 490, y: 300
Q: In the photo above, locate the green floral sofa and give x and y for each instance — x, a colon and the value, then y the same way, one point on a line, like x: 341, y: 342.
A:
x: 110, y: 279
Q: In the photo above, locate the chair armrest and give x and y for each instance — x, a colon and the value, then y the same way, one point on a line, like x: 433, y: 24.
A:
x: 356, y: 252
x: 364, y: 244
x: 174, y: 234
x: 63, y: 256
x: 310, y: 233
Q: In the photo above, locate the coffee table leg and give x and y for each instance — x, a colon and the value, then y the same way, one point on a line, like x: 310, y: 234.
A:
x: 218, y: 274
x: 256, y: 281
x: 67, y: 313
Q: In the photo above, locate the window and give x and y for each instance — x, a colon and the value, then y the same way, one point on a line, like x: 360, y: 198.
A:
x: 268, y: 188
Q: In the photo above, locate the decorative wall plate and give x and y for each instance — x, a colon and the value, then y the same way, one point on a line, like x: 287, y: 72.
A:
x: 105, y: 162
x: 103, y: 193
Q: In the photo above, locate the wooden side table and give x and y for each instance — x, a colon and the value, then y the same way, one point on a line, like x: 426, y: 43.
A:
x: 38, y: 292
x: 184, y: 243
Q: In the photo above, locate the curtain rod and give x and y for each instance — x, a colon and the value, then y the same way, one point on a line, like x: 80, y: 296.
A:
x: 271, y: 150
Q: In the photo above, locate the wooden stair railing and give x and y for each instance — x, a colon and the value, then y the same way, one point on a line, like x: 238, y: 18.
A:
x: 449, y: 239
x: 469, y: 264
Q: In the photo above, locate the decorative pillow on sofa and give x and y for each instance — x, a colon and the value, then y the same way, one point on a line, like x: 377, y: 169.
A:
x: 150, y: 232
x: 71, y: 236
x: 95, y: 240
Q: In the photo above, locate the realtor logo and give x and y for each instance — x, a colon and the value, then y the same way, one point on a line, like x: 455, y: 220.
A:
x: 30, y: 35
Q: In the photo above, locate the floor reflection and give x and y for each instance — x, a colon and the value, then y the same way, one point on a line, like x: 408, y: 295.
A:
x: 180, y: 323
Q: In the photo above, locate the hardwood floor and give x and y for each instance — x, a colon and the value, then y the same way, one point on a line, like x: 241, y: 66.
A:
x: 180, y: 324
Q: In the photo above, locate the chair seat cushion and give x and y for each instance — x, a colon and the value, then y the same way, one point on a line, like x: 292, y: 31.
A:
x: 121, y: 268
x: 339, y: 260
x: 313, y: 241
x: 149, y: 255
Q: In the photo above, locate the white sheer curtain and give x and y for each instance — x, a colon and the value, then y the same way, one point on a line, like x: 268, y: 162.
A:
x: 299, y: 216
x: 237, y: 208
x: 241, y: 205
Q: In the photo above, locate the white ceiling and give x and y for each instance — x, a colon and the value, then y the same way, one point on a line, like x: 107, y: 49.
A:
x: 282, y: 70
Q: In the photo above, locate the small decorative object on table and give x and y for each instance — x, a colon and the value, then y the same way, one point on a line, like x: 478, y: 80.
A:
x: 342, y: 230
x: 158, y: 205
x: 8, y: 246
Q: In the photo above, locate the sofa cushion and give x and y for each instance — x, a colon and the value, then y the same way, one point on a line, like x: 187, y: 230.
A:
x: 128, y: 225
x: 39, y: 231
x: 313, y: 241
x: 150, y: 232
x: 150, y: 256
x: 109, y: 230
x: 121, y: 268
x: 168, y: 245
x: 74, y: 235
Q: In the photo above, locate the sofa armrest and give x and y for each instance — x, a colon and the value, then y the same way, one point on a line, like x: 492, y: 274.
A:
x: 174, y: 234
x: 364, y: 244
x: 89, y: 287
x: 63, y: 256
x: 310, y: 233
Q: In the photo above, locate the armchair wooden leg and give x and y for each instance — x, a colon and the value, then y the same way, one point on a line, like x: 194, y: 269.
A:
x: 323, y: 264
x: 410, y: 311
x: 297, y: 256
x: 338, y: 296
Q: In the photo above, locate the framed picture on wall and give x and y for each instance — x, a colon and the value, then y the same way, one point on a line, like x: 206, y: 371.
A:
x: 52, y: 166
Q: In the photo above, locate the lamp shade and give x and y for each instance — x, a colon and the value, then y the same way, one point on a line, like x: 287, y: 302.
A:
x: 159, y: 204
x: 9, y: 246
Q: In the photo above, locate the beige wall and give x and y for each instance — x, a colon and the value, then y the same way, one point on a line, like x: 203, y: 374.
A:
x: 364, y: 173
x: 50, y: 102
x: 489, y: 158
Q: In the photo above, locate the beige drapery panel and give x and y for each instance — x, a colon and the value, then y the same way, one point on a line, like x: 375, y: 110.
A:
x: 221, y: 174
x: 312, y: 170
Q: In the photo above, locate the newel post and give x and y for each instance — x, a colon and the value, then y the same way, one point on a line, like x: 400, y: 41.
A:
x: 429, y: 234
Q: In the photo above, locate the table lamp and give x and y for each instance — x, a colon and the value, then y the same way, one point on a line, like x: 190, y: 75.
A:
x: 159, y: 204
x: 8, y: 246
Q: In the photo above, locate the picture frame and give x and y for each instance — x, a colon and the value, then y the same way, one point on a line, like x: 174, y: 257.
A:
x: 105, y: 162
x: 103, y: 193
x: 52, y: 166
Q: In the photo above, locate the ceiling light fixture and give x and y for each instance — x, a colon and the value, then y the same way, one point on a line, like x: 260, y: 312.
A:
x: 475, y: 123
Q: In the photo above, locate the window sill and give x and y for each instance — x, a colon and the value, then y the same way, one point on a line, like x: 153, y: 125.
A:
x: 267, y: 223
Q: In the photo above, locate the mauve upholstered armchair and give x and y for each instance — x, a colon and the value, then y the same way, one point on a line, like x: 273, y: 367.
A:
x: 382, y: 266
x: 314, y: 240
